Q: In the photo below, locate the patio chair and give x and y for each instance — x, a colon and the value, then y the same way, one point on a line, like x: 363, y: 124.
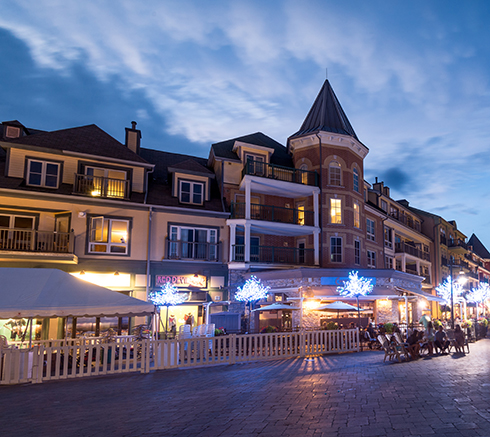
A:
x: 453, y: 344
x: 370, y: 341
x: 402, y: 346
x: 390, y: 351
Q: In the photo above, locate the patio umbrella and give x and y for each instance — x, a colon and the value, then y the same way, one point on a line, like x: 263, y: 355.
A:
x: 276, y: 306
x: 338, y: 306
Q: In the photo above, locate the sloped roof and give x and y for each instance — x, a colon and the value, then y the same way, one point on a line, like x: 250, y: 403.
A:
x: 478, y: 247
x: 224, y: 149
x: 191, y: 165
x: 88, y: 139
x: 326, y: 115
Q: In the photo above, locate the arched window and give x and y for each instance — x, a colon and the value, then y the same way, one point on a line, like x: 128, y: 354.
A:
x: 334, y: 172
x: 304, y: 174
x: 355, y: 175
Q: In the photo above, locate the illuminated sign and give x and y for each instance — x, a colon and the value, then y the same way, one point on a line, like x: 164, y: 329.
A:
x: 181, y: 280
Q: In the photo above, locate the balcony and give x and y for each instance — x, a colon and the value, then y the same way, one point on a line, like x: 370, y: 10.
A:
x: 457, y: 245
x: 29, y: 240
x: 406, y: 220
x: 286, y: 174
x: 96, y: 186
x: 274, y: 214
x: 197, y: 251
x: 275, y: 255
x: 411, y: 250
x: 443, y: 240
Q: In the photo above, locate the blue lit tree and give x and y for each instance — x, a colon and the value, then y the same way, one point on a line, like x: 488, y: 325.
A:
x: 356, y: 287
x: 167, y: 296
x: 251, y: 292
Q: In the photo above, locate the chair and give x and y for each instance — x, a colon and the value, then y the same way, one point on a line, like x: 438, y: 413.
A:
x: 390, y: 351
x: 402, y: 346
x: 453, y: 344
x: 372, y: 342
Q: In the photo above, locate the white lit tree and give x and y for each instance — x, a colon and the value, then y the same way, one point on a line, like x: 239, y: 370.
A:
x: 444, y: 291
x: 356, y: 287
x: 167, y: 296
x: 478, y: 295
x: 252, y: 291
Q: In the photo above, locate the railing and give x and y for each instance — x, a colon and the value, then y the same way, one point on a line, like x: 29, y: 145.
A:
x: 275, y: 255
x: 406, y: 220
x: 443, y: 240
x: 274, y: 214
x: 472, y: 275
x: 70, y: 361
x: 457, y: 243
x: 96, y: 186
x: 411, y: 250
x: 287, y: 174
x: 29, y: 240
x: 185, y: 250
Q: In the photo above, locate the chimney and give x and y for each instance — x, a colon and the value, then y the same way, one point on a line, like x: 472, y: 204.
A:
x: 133, y: 138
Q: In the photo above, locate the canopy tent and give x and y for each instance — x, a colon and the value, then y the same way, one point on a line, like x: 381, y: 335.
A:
x: 39, y: 293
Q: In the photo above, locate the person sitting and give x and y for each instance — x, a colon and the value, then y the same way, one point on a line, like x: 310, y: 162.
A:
x: 413, y: 345
x: 459, y: 339
x: 441, y: 340
x: 370, y: 335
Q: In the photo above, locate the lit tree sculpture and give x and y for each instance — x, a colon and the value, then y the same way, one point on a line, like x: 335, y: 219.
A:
x: 168, y: 296
x: 479, y: 295
x: 450, y: 288
x: 252, y: 291
x: 356, y: 287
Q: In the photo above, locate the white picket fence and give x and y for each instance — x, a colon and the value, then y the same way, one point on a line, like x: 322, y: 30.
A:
x: 68, y: 359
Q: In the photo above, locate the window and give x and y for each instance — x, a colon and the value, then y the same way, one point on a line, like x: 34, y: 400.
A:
x: 357, y: 252
x: 336, y: 249
x: 191, y: 192
x: 370, y: 230
x: 388, y: 262
x: 355, y: 176
x: 193, y: 243
x: 334, y: 174
x: 240, y: 248
x: 304, y: 174
x: 108, y: 235
x: 357, y: 215
x: 106, y: 182
x: 384, y: 205
x: 335, y: 211
x: 371, y: 259
x: 301, y: 245
x: 301, y: 213
x: 255, y: 165
x: 43, y: 173
x: 394, y: 212
x: 388, y: 237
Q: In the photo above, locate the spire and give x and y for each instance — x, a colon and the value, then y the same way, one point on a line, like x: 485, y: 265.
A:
x: 326, y: 115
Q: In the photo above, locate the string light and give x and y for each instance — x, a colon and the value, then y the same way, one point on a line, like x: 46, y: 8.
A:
x: 355, y: 286
x: 479, y: 294
x: 251, y: 291
x: 444, y: 291
x: 167, y: 296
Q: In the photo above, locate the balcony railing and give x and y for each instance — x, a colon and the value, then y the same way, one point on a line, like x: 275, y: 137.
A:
x: 443, y: 240
x: 406, y: 220
x: 287, y: 174
x: 458, y: 243
x: 96, y: 186
x: 186, y: 250
x: 411, y: 250
x: 29, y: 240
x: 275, y: 255
x: 274, y: 214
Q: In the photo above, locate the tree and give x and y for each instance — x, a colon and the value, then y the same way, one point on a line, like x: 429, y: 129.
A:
x: 167, y: 296
x: 478, y: 295
x: 251, y: 292
x: 356, y: 287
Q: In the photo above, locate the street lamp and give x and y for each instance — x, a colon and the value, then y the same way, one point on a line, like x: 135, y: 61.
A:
x: 461, y: 280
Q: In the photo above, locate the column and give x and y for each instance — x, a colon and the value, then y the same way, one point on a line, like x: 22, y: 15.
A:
x: 232, y: 241
x: 315, y: 209
x: 316, y: 246
x: 247, y: 200
x: 247, y: 241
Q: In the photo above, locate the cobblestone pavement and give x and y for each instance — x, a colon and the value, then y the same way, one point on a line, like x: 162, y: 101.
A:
x: 338, y: 395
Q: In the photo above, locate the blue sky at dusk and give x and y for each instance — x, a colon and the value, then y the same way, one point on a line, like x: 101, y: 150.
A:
x: 413, y: 78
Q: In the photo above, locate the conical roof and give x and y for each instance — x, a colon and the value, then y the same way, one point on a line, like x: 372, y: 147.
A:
x: 326, y: 115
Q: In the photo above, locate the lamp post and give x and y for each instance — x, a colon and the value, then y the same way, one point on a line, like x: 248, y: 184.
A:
x: 452, y: 293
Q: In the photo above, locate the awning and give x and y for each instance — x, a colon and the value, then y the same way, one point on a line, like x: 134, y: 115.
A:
x: 421, y: 293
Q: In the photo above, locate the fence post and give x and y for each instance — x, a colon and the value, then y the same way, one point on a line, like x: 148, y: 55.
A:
x: 232, y: 348
x: 38, y: 364
x: 357, y: 338
x: 302, y: 344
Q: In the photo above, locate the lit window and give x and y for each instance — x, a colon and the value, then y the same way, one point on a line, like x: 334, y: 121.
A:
x: 43, y: 173
x: 336, y: 249
x: 356, y: 179
x: 370, y: 230
x: 335, y: 211
x: 357, y: 215
x: 104, y: 182
x: 191, y: 192
x: 193, y: 243
x: 108, y: 235
x: 304, y: 174
x: 334, y: 171
x: 371, y: 259
x: 357, y: 252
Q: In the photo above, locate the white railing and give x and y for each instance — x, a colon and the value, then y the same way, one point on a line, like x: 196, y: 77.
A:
x: 77, y: 358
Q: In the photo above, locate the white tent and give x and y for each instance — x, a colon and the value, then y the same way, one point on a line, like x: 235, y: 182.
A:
x: 37, y: 293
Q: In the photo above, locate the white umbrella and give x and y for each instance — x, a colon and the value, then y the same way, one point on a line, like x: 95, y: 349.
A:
x: 338, y: 306
x: 276, y: 306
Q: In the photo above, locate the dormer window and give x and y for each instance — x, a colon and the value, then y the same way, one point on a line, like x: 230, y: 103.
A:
x: 255, y: 164
x: 12, y: 132
x: 191, y: 192
x: 43, y: 173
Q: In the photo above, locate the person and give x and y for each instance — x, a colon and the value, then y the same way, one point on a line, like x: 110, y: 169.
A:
x: 430, y: 336
x: 441, y: 340
x: 370, y: 335
x: 459, y: 339
x: 413, y: 344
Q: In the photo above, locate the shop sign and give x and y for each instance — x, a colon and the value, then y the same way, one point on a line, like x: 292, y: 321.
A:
x: 197, y: 281
x: 339, y: 280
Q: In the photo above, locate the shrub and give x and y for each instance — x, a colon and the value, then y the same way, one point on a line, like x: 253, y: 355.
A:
x: 331, y: 326
x: 269, y: 329
x: 389, y: 328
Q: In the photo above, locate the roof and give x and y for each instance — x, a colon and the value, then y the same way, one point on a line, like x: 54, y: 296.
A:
x: 478, y: 247
x: 88, y: 139
x: 191, y: 165
x: 280, y: 156
x: 326, y: 115
x: 27, y: 293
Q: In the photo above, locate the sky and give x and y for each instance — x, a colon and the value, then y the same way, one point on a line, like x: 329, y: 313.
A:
x: 412, y: 77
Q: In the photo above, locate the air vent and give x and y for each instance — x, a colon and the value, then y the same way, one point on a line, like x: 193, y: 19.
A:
x: 12, y: 132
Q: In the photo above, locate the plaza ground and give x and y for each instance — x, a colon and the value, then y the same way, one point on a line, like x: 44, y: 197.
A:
x: 354, y: 394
